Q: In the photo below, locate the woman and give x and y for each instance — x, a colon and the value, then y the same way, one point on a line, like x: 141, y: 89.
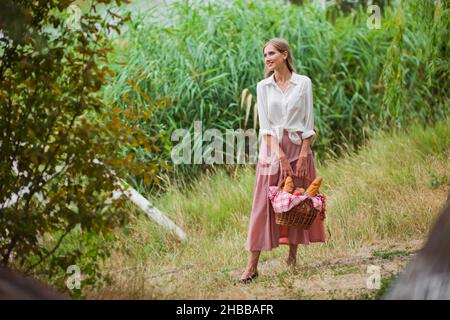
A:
x: 285, y: 111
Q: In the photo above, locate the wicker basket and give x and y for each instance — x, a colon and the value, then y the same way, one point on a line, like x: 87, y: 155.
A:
x: 301, y: 216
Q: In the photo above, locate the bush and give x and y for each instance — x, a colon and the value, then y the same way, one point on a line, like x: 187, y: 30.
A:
x: 57, y: 157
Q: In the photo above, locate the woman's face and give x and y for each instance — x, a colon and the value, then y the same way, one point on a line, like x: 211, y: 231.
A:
x: 273, y: 58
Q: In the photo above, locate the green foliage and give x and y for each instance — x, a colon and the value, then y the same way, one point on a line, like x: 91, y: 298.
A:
x: 57, y: 141
x: 387, y: 254
x: 416, y: 74
x: 437, y: 181
x: 364, y: 79
x: 81, y: 248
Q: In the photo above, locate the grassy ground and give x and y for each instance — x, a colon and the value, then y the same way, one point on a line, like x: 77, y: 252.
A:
x: 382, y: 200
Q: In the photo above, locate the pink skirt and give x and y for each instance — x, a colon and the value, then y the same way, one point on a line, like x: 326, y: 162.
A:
x: 263, y: 233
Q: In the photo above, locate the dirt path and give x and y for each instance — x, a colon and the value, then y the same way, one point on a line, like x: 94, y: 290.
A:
x: 338, y: 278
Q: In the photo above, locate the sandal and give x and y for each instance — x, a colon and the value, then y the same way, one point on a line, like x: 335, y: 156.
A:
x: 291, y: 262
x: 249, y: 278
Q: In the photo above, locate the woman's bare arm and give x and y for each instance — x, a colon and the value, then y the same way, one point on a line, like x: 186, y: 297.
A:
x: 305, y: 145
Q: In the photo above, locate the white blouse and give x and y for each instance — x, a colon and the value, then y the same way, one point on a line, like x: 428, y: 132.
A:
x: 291, y: 111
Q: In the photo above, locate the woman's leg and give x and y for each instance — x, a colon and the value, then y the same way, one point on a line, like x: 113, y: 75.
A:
x: 252, y: 264
x: 292, y: 258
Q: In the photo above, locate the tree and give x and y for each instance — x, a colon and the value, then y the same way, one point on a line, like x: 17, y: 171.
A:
x: 58, y: 139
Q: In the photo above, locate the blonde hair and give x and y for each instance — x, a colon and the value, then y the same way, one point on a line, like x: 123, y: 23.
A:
x: 281, y: 45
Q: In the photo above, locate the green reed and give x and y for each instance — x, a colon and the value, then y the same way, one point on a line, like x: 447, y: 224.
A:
x: 202, y: 57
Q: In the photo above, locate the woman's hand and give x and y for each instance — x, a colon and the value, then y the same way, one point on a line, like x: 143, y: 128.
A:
x: 285, y: 168
x: 301, y: 169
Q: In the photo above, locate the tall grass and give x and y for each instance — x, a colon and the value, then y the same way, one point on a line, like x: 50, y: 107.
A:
x: 203, y: 56
x: 383, y: 194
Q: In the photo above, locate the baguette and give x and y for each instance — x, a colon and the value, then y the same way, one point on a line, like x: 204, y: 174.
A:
x: 313, y: 188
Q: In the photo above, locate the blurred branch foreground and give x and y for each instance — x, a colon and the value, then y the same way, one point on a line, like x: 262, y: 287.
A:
x: 16, y: 286
x: 427, y: 276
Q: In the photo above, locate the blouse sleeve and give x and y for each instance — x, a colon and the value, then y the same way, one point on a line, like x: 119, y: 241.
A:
x: 264, y: 124
x: 309, y: 115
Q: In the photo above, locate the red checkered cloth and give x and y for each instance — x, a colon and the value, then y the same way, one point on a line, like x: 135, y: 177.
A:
x: 285, y: 201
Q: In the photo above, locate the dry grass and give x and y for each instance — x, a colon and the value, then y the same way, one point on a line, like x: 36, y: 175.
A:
x: 378, y: 199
